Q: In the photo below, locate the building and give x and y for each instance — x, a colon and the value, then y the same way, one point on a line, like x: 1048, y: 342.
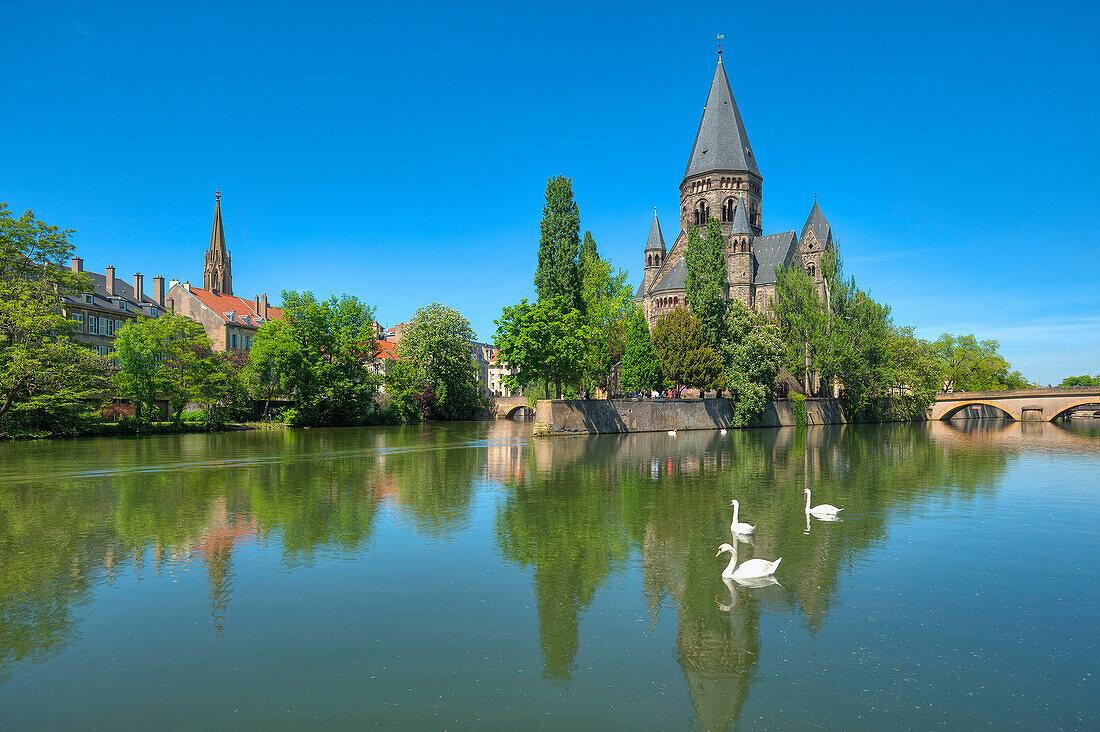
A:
x: 99, y: 314
x: 230, y: 322
x: 722, y: 181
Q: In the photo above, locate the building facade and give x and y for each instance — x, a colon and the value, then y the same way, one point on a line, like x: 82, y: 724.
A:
x: 230, y: 322
x: 722, y: 181
x: 98, y: 315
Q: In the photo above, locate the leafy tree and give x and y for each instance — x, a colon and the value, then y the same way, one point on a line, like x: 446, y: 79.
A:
x: 587, y: 256
x: 273, y: 363
x: 686, y: 358
x: 410, y: 392
x: 641, y: 369
x: 802, y: 318
x: 753, y: 355
x: 705, y: 285
x: 320, y: 361
x: 607, y: 303
x: 437, y: 343
x: 559, y: 239
x: 972, y: 365
x: 1084, y: 380
x: 544, y: 342
x: 46, y: 379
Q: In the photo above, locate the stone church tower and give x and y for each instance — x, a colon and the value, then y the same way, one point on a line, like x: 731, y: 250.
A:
x: 722, y: 181
x: 217, y: 273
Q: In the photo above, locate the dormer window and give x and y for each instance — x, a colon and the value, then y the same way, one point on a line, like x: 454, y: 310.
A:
x: 121, y: 304
x: 153, y: 312
x: 88, y: 299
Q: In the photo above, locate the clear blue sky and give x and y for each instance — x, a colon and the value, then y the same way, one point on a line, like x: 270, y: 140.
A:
x: 399, y: 151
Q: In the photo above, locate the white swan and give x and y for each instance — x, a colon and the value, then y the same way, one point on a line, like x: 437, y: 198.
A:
x: 723, y: 431
x: 824, y: 511
x: 739, y: 527
x: 672, y: 433
x: 752, y: 569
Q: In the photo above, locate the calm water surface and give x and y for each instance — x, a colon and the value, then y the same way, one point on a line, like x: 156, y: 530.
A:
x: 466, y: 576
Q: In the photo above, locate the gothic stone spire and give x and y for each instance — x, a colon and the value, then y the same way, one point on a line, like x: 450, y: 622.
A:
x: 217, y: 273
x: 656, y: 240
x: 721, y: 142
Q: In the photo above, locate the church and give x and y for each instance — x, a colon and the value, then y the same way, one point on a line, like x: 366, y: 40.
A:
x: 722, y: 181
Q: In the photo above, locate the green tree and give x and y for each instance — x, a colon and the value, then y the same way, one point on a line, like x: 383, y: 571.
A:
x: 607, y: 302
x: 705, y: 285
x: 803, y: 323
x: 753, y: 355
x: 47, y: 380
x: 321, y: 360
x: 641, y: 369
x: 587, y: 256
x: 274, y: 362
x: 686, y: 358
x: 972, y: 365
x: 559, y: 239
x: 1084, y: 380
x: 437, y: 343
x: 544, y: 341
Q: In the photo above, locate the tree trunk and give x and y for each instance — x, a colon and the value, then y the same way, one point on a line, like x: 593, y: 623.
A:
x: 557, y: 385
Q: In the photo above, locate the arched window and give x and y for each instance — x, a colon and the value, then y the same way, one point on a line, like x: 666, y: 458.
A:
x: 811, y: 270
x: 727, y: 209
x: 702, y: 213
x: 676, y: 301
x: 649, y: 260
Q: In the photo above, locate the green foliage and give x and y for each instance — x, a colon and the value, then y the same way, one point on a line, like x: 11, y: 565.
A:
x: 607, y: 302
x: 409, y: 393
x: 685, y: 357
x: 641, y: 369
x: 972, y: 365
x: 436, y: 347
x: 47, y: 381
x: 705, y: 285
x: 798, y: 406
x: 1084, y: 380
x: 318, y: 356
x: 545, y: 342
x: 559, y: 238
x: 753, y: 355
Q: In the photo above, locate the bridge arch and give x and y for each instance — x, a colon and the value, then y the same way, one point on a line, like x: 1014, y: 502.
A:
x: 970, y: 402
x: 513, y: 411
x: 1073, y: 405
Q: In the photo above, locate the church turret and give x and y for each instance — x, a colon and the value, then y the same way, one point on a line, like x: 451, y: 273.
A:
x: 816, y: 239
x: 217, y: 273
x: 721, y: 168
x: 654, y: 253
x: 739, y: 264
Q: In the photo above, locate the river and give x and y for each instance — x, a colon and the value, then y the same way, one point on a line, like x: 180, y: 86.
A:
x: 469, y: 576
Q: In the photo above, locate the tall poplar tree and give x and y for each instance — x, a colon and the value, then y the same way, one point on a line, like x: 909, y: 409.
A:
x: 705, y: 261
x: 559, y: 240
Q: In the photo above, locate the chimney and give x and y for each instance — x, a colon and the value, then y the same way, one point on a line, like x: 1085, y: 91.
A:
x: 78, y: 264
x: 139, y: 287
x: 263, y: 307
x: 257, y: 308
x: 158, y: 290
x: 110, y: 280
x: 187, y: 285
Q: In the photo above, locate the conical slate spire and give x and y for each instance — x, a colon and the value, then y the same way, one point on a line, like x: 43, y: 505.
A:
x: 816, y: 221
x: 217, y: 235
x: 656, y: 239
x: 721, y: 142
x: 741, y: 219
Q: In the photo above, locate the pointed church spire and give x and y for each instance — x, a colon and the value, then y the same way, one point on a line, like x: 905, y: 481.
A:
x: 656, y: 240
x: 721, y: 142
x: 217, y: 274
x: 741, y: 219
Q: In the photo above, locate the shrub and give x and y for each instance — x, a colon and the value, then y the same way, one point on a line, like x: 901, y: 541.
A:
x: 798, y: 404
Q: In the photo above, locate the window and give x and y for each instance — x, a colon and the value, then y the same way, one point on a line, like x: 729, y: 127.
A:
x: 811, y: 270
x: 121, y: 304
x: 153, y: 312
x: 88, y: 299
x: 78, y: 321
x: 233, y: 340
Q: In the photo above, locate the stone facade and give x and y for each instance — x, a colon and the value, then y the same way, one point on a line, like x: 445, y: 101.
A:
x: 722, y: 182
x: 98, y: 315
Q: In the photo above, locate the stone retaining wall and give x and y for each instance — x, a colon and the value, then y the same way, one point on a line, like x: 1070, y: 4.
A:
x: 601, y: 416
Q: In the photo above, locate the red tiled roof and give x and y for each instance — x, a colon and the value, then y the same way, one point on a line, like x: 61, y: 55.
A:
x: 222, y: 304
x: 386, y: 350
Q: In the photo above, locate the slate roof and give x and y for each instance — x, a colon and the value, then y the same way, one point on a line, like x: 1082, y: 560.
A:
x: 772, y: 252
x: 741, y: 219
x: 720, y: 142
x: 224, y: 305
x: 123, y: 291
x: 674, y: 279
x: 656, y: 239
x: 641, y: 290
x: 816, y: 221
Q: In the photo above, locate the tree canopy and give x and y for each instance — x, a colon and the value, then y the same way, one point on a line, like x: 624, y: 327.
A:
x: 705, y: 285
x: 559, y: 238
x: 544, y: 341
x: 435, y: 350
x: 685, y: 356
x: 641, y: 369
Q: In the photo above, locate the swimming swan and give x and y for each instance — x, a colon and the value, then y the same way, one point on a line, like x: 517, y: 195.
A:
x: 672, y: 433
x: 739, y: 527
x: 824, y: 511
x: 752, y: 569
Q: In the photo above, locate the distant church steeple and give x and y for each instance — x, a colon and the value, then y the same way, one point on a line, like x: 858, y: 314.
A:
x: 217, y: 273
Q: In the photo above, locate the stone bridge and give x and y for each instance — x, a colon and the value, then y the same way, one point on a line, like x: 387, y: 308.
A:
x: 1022, y: 405
x: 506, y: 407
